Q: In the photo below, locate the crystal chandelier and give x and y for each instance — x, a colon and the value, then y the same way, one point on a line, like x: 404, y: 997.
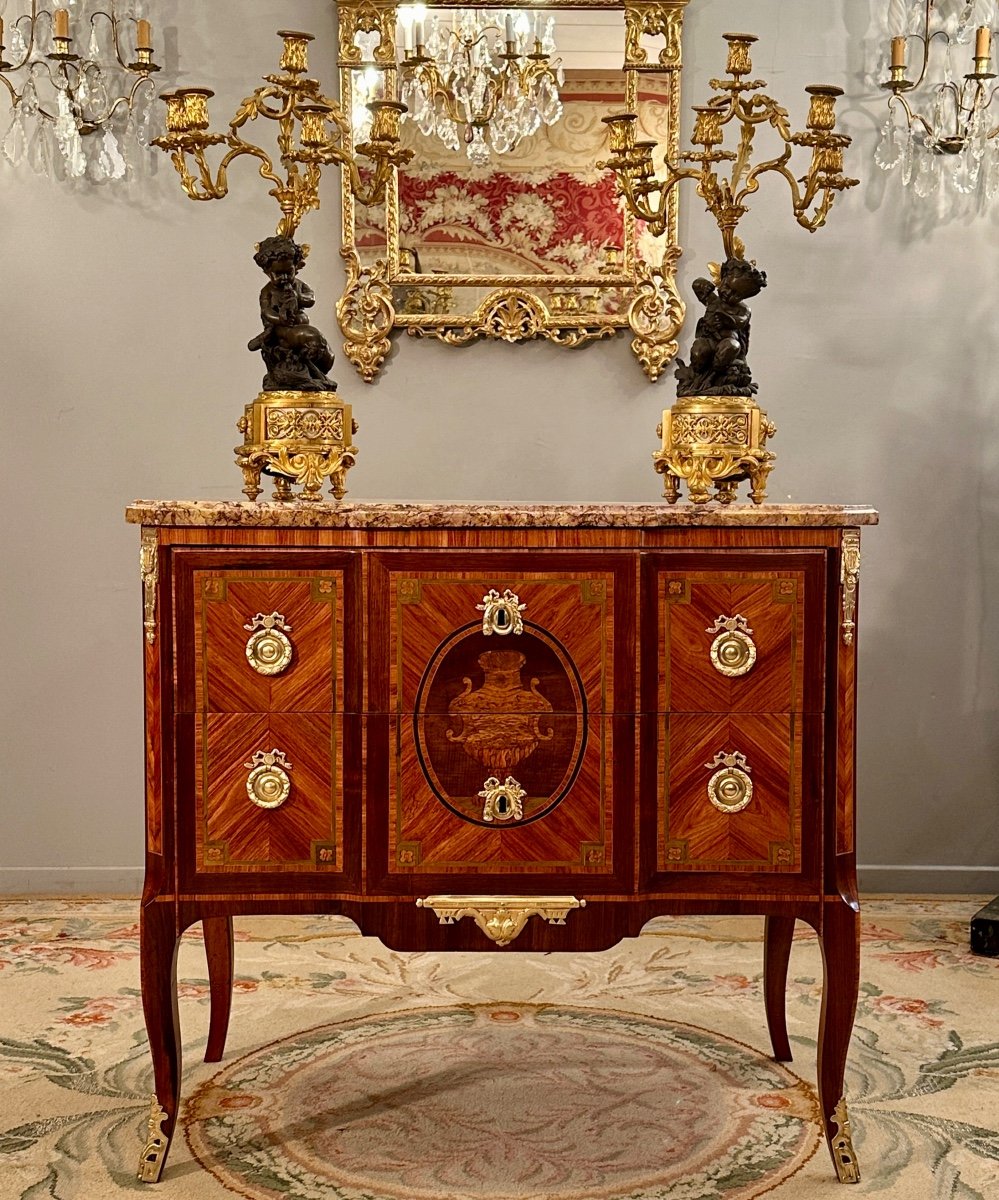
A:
x: 80, y: 84
x: 487, y: 70
x: 945, y: 48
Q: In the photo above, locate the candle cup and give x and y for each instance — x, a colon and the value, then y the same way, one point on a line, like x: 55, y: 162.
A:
x: 314, y: 118
x: 739, y: 61
x: 822, y: 110
x: 295, y: 56
x: 621, y: 127
x: 177, y: 118
x: 707, y: 126
x: 193, y: 108
x: 385, y: 120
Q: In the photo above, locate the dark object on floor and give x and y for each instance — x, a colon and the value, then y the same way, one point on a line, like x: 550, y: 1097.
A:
x: 985, y: 930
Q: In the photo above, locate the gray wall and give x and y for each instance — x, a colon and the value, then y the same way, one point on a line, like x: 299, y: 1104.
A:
x: 123, y: 325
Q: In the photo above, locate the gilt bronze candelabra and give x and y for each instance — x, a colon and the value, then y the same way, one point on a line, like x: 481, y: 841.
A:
x: 297, y: 430
x: 716, y: 434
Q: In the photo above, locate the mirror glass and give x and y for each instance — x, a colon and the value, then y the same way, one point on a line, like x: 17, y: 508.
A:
x: 503, y: 202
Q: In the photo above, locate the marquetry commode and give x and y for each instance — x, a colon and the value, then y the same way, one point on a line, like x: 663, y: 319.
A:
x: 499, y: 728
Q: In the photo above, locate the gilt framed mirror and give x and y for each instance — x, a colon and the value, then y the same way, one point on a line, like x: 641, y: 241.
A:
x: 503, y: 225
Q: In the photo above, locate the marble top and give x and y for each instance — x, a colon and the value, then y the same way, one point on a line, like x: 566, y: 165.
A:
x: 388, y: 514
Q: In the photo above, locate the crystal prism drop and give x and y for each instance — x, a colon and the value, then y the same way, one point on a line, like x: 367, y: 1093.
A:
x: 15, y: 142
x: 964, y: 172
x: 908, y: 157
x: 889, y: 149
x: 17, y: 47
x: 965, y: 23
x: 112, y: 162
x: 40, y: 149
x: 928, y: 175
x: 94, y: 48
x: 992, y: 172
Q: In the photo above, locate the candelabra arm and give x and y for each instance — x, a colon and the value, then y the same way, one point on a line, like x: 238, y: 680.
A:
x: 374, y: 192
x: 256, y: 106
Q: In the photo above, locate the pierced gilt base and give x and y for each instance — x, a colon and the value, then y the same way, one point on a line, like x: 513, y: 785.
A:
x: 157, y: 1143
x: 843, y: 1154
x: 299, y: 439
x: 714, y: 442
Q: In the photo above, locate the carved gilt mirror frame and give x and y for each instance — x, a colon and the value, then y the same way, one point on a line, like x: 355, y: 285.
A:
x: 633, y: 288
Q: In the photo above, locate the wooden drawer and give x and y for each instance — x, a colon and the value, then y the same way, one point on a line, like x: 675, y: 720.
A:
x: 736, y: 633
x: 731, y: 792
x: 268, y: 794
x: 436, y: 629
x: 269, y: 641
x: 265, y: 632
x: 447, y: 808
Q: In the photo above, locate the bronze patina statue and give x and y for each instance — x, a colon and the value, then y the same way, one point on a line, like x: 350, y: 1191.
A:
x: 296, y: 354
x: 718, y: 365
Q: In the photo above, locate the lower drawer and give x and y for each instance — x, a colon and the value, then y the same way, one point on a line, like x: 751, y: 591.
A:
x: 730, y: 792
x: 268, y: 796
x: 537, y: 816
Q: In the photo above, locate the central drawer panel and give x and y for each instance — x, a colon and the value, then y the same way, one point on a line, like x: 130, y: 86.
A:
x: 500, y: 684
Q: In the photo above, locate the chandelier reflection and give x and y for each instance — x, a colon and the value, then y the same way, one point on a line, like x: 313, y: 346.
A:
x: 955, y: 140
x: 80, y: 85
x: 480, y: 77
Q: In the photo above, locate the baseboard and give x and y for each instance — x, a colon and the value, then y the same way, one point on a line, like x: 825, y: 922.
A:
x: 929, y: 880
x: 104, y: 881
x: 71, y: 881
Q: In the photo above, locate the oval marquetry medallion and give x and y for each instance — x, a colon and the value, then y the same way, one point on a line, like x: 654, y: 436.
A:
x: 503, y: 1102
x: 500, y: 713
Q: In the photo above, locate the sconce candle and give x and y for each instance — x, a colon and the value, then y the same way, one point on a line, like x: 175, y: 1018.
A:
x: 898, y: 52
x: 60, y: 23
x: 144, y: 35
x: 983, y: 44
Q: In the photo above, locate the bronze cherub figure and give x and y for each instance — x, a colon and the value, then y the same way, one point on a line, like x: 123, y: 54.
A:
x: 718, y: 365
x: 296, y: 354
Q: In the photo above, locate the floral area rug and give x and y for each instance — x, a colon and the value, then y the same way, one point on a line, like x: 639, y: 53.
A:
x: 357, y: 1073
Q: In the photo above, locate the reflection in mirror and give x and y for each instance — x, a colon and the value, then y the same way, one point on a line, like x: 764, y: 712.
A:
x: 503, y: 225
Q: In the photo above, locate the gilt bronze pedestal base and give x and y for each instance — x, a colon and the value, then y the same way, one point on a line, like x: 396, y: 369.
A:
x: 298, y: 439
x: 714, y: 442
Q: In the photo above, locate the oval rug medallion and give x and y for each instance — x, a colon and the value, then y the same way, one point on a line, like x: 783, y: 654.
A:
x: 503, y: 1102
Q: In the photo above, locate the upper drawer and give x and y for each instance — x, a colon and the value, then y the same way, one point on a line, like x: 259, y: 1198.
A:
x: 257, y: 638
x: 736, y: 632
x: 502, y: 633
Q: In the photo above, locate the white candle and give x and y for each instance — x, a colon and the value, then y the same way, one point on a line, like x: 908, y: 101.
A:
x: 418, y: 32
x: 508, y: 24
x: 407, y: 35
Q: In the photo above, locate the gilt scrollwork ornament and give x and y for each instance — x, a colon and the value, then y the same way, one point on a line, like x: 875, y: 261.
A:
x: 366, y: 313
x: 501, y: 918
x: 730, y: 789
x: 501, y: 614
x: 653, y: 18
x: 502, y: 801
x: 157, y: 1143
x: 844, y: 1155
x: 367, y: 17
x: 268, y: 784
x: 656, y: 315
x: 733, y: 652
x: 149, y: 569
x: 850, y: 579
x: 268, y: 649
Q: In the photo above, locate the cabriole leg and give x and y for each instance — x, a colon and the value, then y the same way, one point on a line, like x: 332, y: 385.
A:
x: 840, y: 938
x: 777, y: 936
x: 219, y: 951
x: 158, y: 953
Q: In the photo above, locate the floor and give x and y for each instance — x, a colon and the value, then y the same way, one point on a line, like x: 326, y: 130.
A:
x: 356, y: 1073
